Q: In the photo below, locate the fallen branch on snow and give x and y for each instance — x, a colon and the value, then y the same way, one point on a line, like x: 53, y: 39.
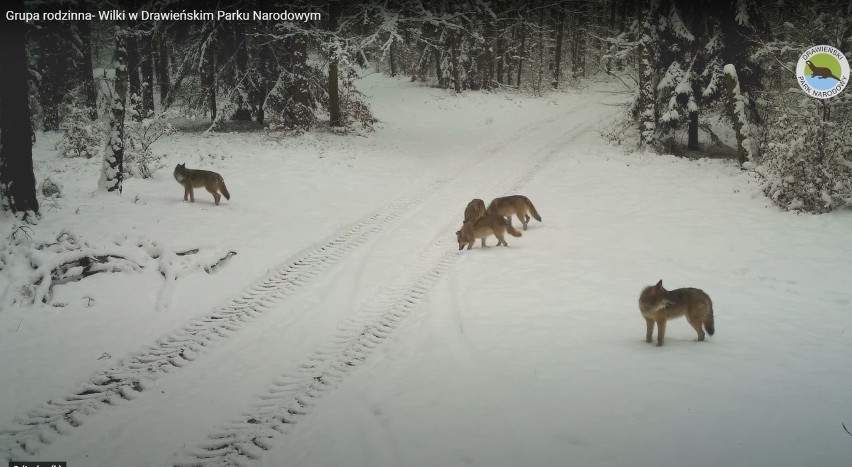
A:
x: 211, y: 268
x: 88, y: 265
x: 75, y: 265
x: 69, y: 259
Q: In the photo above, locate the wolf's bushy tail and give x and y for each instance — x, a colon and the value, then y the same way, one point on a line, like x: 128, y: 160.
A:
x: 532, y: 209
x: 709, y: 323
x: 223, y: 188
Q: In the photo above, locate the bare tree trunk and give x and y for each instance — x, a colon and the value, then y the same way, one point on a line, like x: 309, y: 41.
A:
x: 578, y: 55
x: 17, y: 180
x: 392, y: 59
x: 501, y: 57
x: 523, y: 49
x: 438, y: 74
x: 540, y: 52
x: 112, y: 170
x: 622, y: 18
x: 521, y: 52
x: 208, y: 79
x: 53, y: 64
x: 557, y: 59
x: 693, y: 131
x: 511, y: 47
x: 334, y: 11
x: 147, y: 69
x: 454, y: 54
x: 585, y: 8
x: 488, y: 69
x: 85, y: 68
x: 418, y: 72
x: 266, y: 65
x: 612, y: 8
x: 163, y: 79
x: 244, y: 101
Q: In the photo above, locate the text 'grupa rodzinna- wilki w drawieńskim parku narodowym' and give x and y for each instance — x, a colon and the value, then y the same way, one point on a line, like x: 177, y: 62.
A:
x: 144, y: 15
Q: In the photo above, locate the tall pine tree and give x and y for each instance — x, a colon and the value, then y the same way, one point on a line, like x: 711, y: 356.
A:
x: 17, y: 180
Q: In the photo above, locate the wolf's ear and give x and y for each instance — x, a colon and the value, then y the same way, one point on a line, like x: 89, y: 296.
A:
x: 659, y: 284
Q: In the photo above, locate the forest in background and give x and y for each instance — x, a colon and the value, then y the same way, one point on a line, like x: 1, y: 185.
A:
x: 112, y: 88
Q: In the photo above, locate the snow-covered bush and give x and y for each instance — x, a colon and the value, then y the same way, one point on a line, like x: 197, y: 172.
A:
x: 619, y: 131
x: 352, y: 104
x: 50, y: 188
x: 807, y: 164
x: 81, y: 137
x: 139, y: 159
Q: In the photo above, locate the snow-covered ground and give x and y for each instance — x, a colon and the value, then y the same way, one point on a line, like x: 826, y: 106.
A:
x: 349, y: 330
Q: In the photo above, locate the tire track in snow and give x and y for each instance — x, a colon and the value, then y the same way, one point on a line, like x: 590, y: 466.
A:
x: 291, y: 398
x: 106, y: 388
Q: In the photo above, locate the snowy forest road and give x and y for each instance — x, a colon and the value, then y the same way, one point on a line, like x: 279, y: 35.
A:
x: 291, y: 395
x: 289, y: 295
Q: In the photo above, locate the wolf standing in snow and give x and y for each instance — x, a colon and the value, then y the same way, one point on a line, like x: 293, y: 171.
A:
x: 474, y: 210
x: 485, y: 226
x: 193, y: 178
x: 517, y: 205
x: 658, y: 305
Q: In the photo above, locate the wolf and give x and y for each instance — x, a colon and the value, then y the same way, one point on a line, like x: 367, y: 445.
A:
x: 194, y: 178
x: 474, y: 210
x: 489, y: 224
x: 658, y: 305
x: 518, y: 205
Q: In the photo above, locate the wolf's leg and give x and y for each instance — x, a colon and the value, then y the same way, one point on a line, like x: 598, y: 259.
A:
x: 213, y: 191
x: 501, y: 240
x: 696, y: 323
x: 650, y: 329
x: 661, y: 331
